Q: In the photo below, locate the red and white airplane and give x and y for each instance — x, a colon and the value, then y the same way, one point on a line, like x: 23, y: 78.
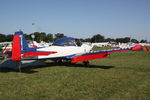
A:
x: 68, y: 49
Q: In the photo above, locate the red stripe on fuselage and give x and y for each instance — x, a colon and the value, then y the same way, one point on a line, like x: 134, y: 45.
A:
x: 16, y: 48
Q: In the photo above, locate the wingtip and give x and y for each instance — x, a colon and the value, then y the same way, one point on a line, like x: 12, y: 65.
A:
x: 136, y: 47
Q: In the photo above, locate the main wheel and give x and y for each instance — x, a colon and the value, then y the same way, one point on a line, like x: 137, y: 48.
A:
x: 86, y: 63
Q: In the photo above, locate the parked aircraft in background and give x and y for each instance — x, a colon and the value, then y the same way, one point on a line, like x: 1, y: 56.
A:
x: 5, y: 45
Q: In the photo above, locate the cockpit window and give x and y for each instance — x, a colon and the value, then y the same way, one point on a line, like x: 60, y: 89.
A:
x: 70, y: 43
x: 67, y: 41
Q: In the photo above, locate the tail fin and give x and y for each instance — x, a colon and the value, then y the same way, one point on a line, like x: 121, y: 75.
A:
x: 20, y: 48
x: 17, y: 46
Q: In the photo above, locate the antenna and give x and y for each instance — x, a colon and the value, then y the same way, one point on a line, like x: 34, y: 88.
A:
x: 33, y: 36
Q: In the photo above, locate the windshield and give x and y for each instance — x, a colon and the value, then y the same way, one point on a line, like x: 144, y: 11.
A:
x: 68, y: 41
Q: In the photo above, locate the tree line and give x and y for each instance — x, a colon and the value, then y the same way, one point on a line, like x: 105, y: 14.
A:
x: 48, y: 37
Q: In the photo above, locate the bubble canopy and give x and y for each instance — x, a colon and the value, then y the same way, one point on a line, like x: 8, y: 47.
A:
x: 67, y: 41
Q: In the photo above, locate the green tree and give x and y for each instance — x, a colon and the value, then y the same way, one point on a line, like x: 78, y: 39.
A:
x: 126, y: 39
x: 9, y: 37
x: 42, y: 36
x: 87, y: 40
x: 123, y: 40
x: 2, y: 38
x: 143, y: 41
x: 110, y: 40
x: 134, y: 41
x: 49, y: 38
x: 37, y: 35
x: 59, y: 35
x: 98, y: 38
x: 28, y: 37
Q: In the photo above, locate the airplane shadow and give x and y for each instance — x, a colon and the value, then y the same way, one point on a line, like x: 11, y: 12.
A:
x: 23, y: 70
x: 52, y: 64
x: 30, y: 69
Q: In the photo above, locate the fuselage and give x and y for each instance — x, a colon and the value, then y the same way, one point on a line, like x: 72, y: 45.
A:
x: 63, y: 51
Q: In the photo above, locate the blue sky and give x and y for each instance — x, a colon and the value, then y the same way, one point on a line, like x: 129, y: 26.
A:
x: 77, y: 18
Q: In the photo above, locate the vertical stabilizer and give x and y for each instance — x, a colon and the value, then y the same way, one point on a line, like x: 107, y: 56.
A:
x: 16, y: 47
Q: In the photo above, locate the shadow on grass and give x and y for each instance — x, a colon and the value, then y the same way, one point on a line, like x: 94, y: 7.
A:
x: 30, y: 69
x: 23, y: 70
x: 52, y: 64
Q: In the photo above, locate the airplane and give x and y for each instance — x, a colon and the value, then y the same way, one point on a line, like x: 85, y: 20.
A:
x: 6, y: 46
x: 65, y: 49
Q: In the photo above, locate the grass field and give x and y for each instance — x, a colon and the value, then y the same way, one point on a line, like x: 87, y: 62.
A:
x: 122, y: 76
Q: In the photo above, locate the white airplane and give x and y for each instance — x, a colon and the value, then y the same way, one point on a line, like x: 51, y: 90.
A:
x: 6, y: 45
x: 68, y: 49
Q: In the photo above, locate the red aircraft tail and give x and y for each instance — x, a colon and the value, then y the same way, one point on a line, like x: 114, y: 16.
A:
x: 20, y: 48
x: 16, y: 48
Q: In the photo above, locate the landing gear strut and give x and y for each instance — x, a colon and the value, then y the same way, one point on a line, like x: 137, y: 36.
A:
x: 19, y: 65
x: 86, y: 63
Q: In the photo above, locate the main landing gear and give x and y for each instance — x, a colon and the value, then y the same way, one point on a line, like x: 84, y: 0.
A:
x: 86, y: 63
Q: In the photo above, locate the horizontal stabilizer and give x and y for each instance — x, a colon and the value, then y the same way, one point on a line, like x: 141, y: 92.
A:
x: 31, y: 54
x: 9, y: 63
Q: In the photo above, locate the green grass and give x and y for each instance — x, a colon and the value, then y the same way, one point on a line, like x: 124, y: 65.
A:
x: 122, y: 76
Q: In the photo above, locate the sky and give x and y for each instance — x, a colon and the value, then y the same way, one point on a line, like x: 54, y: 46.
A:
x: 77, y: 18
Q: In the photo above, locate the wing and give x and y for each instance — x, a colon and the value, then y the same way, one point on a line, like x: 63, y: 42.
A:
x: 98, y: 54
